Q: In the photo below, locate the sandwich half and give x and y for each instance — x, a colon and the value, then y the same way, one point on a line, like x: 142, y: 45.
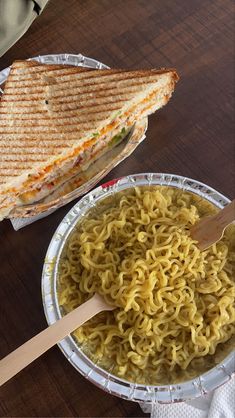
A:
x: 56, y: 120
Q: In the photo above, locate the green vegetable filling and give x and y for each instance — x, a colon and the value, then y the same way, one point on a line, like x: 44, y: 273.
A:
x: 118, y: 138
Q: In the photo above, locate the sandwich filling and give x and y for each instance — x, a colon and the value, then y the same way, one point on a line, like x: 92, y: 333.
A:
x: 83, y: 161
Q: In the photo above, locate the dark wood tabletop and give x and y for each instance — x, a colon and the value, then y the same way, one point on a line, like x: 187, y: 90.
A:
x: 191, y: 136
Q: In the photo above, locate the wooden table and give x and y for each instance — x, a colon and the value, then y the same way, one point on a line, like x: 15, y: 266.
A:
x: 191, y: 136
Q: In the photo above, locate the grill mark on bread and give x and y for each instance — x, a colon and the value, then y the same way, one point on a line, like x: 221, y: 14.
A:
x: 100, y: 80
x: 63, y: 106
x: 15, y: 163
x: 72, y: 96
x: 18, y: 149
x: 24, y: 68
x: 9, y: 171
x: 84, y: 89
x: 61, y: 78
x: 53, y: 136
x: 60, y: 106
x: 93, y: 110
x: 46, y: 115
x: 59, y: 129
x: 81, y: 71
x: 63, y: 124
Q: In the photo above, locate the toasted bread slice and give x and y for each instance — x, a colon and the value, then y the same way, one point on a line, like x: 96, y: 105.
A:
x: 54, y: 117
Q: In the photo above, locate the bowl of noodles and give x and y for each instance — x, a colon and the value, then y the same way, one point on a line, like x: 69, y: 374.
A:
x: 171, y: 335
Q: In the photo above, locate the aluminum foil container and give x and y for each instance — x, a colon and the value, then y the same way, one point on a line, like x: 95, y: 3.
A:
x: 185, y: 391
x: 96, y: 171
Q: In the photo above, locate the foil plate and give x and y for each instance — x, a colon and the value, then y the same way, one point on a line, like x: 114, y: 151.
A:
x: 185, y: 391
x: 96, y: 171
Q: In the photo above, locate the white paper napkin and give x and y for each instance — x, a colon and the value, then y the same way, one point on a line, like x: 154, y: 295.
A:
x: 18, y: 223
x: 218, y: 404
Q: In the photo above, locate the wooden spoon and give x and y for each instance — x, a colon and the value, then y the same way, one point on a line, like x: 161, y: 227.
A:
x: 32, y: 349
x: 211, y: 228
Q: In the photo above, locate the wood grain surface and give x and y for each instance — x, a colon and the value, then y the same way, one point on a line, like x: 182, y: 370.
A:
x: 191, y: 136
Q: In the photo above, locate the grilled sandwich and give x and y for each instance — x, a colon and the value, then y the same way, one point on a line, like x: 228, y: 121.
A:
x: 56, y: 120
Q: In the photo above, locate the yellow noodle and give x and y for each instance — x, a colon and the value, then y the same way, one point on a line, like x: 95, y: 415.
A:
x: 174, y: 303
